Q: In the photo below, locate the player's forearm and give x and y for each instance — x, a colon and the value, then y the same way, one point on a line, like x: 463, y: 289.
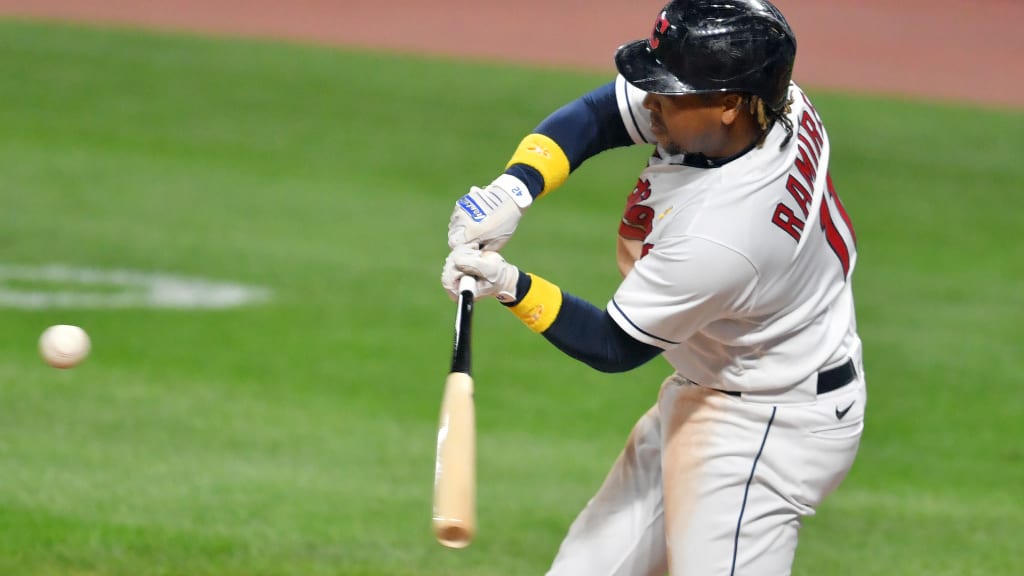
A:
x: 566, y: 138
x: 577, y: 327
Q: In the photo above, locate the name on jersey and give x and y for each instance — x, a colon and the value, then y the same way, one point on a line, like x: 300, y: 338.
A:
x: 800, y: 185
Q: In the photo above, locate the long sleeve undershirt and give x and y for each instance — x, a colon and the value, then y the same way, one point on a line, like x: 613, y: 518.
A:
x: 591, y: 336
x: 582, y: 128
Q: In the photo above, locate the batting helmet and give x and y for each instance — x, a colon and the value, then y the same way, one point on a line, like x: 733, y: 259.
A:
x: 701, y: 46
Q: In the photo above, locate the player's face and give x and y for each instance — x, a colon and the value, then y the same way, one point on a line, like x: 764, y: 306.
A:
x: 688, y: 123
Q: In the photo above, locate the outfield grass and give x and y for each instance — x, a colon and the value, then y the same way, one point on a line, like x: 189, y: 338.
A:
x: 296, y: 437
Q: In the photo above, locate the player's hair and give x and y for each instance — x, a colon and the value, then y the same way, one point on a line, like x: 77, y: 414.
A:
x: 766, y: 117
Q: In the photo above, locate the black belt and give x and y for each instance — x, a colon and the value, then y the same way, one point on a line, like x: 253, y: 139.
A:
x: 828, y: 380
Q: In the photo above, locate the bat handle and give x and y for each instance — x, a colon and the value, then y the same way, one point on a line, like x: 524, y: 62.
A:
x: 467, y: 284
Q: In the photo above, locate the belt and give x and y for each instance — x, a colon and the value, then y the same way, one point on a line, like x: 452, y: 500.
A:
x: 828, y: 380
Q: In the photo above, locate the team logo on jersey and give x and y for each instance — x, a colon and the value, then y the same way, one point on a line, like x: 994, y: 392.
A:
x: 469, y: 206
x: 660, y: 27
x: 637, y: 219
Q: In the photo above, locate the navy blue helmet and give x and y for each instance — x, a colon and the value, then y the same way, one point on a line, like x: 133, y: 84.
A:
x: 702, y: 46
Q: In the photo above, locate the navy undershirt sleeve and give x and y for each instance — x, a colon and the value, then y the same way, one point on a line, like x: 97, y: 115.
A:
x: 582, y: 128
x: 589, y: 335
x: 529, y: 175
x: 586, y: 126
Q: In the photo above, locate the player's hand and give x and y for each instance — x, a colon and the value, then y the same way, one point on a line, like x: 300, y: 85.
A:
x: 487, y: 217
x: 494, y: 276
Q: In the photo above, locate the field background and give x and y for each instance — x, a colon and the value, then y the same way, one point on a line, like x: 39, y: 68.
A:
x: 296, y: 436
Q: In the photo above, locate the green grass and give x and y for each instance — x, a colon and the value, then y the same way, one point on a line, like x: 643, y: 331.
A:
x: 296, y: 437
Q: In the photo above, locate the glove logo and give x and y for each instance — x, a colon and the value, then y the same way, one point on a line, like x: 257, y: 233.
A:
x: 469, y: 206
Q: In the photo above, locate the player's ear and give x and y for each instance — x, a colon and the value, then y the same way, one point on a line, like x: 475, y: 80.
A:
x: 732, y: 107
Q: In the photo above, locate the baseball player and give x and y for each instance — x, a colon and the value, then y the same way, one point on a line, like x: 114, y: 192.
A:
x: 737, y: 256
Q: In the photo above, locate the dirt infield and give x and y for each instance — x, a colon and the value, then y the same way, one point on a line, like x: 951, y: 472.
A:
x: 963, y: 50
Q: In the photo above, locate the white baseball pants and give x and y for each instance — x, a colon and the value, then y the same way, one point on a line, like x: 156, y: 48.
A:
x: 710, y: 484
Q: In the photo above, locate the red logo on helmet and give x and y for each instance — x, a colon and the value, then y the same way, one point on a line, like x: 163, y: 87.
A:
x: 659, y: 28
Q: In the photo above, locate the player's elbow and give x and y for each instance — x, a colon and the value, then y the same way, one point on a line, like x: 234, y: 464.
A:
x: 609, y: 367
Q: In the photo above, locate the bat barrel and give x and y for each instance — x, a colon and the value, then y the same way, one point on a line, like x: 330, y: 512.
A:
x: 454, y: 517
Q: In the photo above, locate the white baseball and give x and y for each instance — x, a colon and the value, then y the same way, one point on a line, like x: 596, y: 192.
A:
x: 64, y: 346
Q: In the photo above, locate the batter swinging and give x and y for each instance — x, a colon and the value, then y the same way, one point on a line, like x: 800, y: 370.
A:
x: 736, y: 255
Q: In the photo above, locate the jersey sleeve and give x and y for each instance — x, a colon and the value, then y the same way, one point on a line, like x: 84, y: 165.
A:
x: 679, y: 287
x: 635, y: 118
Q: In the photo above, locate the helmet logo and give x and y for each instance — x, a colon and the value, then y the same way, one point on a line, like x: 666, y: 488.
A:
x: 660, y: 26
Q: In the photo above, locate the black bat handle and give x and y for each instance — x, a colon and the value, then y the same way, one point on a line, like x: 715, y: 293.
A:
x: 461, y: 356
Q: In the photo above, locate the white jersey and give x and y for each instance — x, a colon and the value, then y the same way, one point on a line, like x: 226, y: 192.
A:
x: 719, y: 283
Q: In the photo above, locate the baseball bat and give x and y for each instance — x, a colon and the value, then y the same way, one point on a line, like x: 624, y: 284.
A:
x: 454, y: 519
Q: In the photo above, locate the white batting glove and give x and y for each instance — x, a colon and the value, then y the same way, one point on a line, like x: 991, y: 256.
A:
x: 487, y: 217
x: 494, y: 276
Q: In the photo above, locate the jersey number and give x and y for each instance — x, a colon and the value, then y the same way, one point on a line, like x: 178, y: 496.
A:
x: 832, y: 235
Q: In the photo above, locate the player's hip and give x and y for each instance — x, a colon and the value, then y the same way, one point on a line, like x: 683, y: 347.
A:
x: 737, y: 474
x: 708, y: 420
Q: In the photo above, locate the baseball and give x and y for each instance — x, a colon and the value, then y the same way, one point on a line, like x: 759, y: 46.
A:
x: 64, y: 346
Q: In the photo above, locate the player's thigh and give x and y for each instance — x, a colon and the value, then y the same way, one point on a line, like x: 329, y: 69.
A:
x: 722, y: 508
x: 621, y: 530
x: 807, y: 452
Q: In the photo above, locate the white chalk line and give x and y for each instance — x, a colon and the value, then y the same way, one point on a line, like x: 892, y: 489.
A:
x: 119, y: 289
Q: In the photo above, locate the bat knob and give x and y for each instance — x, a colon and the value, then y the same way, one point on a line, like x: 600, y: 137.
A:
x: 452, y: 534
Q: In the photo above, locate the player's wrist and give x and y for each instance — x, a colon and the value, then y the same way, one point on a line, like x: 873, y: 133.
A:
x: 544, y: 155
x: 528, y: 175
x: 539, y: 305
x: 515, y: 189
x: 523, y: 283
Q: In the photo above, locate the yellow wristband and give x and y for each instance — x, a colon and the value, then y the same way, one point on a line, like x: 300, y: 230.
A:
x: 546, y: 156
x: 539, y: 308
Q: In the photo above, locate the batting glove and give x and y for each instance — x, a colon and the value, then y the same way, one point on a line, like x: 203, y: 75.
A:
x: 494, y: 276
x: 487, y: 217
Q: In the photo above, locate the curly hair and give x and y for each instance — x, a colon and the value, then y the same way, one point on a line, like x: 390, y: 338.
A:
x: 767, y: 116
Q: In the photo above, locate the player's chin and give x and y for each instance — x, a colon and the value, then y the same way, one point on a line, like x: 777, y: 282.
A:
x: 670, y: 147
x: 665, y: 142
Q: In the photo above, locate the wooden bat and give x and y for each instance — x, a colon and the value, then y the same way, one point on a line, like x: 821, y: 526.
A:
x: 455, y: 466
